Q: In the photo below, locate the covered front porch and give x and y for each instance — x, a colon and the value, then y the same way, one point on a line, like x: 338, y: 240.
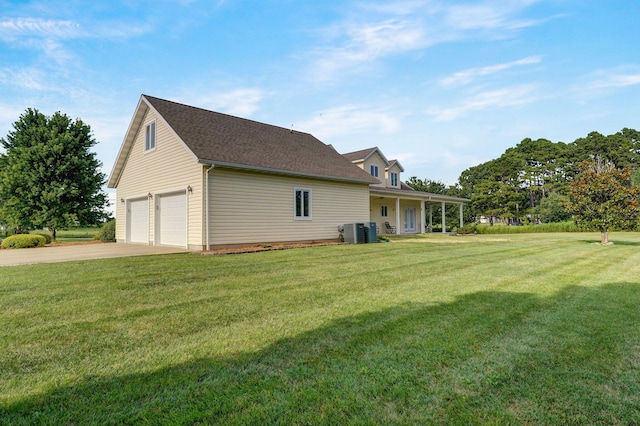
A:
x: 407, y: 211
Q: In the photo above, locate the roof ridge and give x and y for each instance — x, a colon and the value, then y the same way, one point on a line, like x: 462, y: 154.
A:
x: 230, y: 141
x: 224, y: 114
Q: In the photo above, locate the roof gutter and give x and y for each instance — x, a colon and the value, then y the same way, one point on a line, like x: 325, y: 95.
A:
x: 419, y: 195
x: 285, y: 172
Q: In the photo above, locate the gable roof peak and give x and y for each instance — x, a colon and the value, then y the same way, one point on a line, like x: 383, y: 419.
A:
x: 229, y: 141
x: 395, y: 162
x: 365, y: 154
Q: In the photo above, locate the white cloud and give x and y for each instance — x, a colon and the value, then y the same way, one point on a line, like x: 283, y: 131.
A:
x: 613, y: 79
x: 489, y: 15
x: 448, y: 163
x: 240, y: 102
x: 500, y: 98
x: 49, y: 36
x: 49, y: 29
x: 347, y: 120
x: 25, y: 78
x: 33, y: 79
x: 36, y: 27
x: 469, y: 75
x: 368, y: 42
x: 604, y: 82
x: 411, y: 26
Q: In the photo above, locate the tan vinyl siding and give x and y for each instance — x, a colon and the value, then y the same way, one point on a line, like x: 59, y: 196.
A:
x: 376, y: 209
x: 392, y: 169
x: 253, y: 208
x: 377, y: 161
x: 167, y: 168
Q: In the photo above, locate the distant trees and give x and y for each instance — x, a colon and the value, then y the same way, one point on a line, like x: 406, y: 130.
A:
x: 530, y: 179
x: 48, y: 176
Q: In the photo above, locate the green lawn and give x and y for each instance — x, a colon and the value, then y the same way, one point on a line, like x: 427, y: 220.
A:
x: 487, y: 329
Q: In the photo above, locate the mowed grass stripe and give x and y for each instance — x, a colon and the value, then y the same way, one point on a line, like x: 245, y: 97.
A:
x: 515, y: 329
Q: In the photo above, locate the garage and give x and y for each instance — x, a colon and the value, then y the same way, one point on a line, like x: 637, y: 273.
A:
x: 138, y: 221
x: 171, y: 219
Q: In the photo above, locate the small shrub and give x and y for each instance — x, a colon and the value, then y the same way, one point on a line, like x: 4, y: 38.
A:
x: 47, y: 236
x: 383, y: 238
x: 467, y: 229
x: 107, y: 233
x: 23, y: 241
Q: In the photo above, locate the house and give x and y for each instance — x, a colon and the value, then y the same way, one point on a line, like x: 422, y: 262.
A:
x: 405, y: 210
x: 189, y: 177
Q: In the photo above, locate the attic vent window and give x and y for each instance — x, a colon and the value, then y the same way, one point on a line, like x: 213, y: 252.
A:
x: 374, y: 171
x: 150, y: 137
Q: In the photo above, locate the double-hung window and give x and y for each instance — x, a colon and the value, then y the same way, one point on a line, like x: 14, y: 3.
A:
x: 384, y: 211
x: 374, y: 170
x: 150, y: 137
x: 302, y: 204
x: 394, y: 179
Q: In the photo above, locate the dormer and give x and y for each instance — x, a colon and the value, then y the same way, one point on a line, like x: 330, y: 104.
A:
x: 373, y: 162
x: 392, y: 174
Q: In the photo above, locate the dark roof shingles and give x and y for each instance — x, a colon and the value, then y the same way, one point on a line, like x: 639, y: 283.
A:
x: 359, y: 155
x: 221, y: 138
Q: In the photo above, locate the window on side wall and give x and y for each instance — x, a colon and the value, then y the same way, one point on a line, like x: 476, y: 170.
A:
x: 374, y: 170
x: 394, y: 179
x: 302, y: 204
x: 383, y: 211
x: 150, y: 137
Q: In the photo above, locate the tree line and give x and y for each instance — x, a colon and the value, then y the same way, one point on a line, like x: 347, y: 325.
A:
x: 532, y: 181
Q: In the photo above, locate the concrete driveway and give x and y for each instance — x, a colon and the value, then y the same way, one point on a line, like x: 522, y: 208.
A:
x: 80, y: 252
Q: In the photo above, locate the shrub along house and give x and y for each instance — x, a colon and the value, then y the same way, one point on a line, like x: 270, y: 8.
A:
x: 189, y: 177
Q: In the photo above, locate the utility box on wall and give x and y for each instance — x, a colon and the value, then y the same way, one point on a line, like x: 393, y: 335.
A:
x: 354, y: 233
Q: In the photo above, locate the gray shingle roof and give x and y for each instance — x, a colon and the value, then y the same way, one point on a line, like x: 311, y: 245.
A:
x: 237, y: 142
x: 359, y: 155
x: 364, y: 154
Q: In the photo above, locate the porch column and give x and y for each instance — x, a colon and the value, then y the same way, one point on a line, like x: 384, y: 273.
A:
x: 422, y: 217
x: 430, y: 218
x: 397, y: 216
x: 461, y: 217
x: 444, y: 221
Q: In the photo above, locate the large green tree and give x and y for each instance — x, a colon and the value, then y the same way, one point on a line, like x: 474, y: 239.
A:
x: 603, y: 199
x: 48, y: 176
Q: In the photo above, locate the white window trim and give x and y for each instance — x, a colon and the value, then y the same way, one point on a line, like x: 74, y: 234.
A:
x: 373, y: 168
x: 384, y: 211
x: 295, y: 204
x: 147, y: 131
x: 391, y: 175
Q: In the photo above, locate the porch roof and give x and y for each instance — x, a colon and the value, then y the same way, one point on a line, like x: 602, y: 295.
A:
x: 407, y: 193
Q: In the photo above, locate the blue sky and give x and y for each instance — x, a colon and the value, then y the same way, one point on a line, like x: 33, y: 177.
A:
x: 440, y: 85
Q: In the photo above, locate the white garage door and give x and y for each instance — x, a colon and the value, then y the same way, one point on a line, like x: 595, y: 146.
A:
x: 138, y: 221
x: 172, y: 219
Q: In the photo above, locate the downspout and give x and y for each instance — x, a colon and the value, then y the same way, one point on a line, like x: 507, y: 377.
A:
x: 207, y: 213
